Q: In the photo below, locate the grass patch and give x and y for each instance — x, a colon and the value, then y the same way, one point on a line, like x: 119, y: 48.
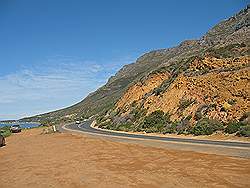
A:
x: 5, y: 131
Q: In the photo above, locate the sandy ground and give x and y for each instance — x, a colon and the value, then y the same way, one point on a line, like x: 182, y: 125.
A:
x: 32, y: 159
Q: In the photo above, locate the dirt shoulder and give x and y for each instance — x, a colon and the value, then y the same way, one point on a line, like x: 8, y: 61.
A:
x: 32, y: 159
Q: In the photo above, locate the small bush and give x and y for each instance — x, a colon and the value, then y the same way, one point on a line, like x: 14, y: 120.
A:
x: 5, y: 131
x: 245, y: 116
x: 233, y: 127
x: 244, y: 131
x: 156, y: 129
x: 157, y: 91
x: 155, y: 118
x: 138, y: 112
x: 164, y: 86
x: 179, y: 127
x: 183, y: 127
x: 170, y: 128
x: 125, y: 127
x: 100, y: 119
x: 160, y: 70
x: 118, y: 120
x: 206, y: 126
x: 184, y: 103
x: 201, y: 112
x: 155, y: 122
x: 106, y: 125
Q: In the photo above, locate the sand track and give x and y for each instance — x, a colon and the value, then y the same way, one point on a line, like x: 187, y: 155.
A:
x: 31, y: 159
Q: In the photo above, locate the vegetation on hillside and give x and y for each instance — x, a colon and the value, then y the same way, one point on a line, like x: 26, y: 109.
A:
x: 159, y: 122
x: 204, y: 89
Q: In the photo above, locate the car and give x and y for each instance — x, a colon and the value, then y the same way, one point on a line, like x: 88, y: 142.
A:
x: 78, y: 122
x: 15, y: 129
x: 2, y: 140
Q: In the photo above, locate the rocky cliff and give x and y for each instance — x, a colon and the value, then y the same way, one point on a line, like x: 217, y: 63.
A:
x: 205, y: 78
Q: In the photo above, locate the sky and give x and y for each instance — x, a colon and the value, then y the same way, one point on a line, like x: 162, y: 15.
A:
x: 54, y: 53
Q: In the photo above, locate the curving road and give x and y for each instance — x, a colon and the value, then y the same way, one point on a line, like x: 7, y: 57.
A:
x: 86, y: 128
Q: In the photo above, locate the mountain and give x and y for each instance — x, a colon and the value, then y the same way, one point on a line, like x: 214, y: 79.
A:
x: 208, y: 77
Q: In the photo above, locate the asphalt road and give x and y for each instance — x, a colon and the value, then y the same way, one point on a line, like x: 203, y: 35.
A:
x: 86, y: 128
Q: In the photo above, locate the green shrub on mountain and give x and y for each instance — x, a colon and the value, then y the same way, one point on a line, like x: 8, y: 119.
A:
x: 155, y: 118
x: 244, y: 131
x: 125, y: 127
x: 233, y: 127
x: 184, y: 103
x: 206, y: 126
x: 170, y: 128
x: 203, y: 110
x: 155, y: 122
x: 138, y: 112
x: 184, y: 126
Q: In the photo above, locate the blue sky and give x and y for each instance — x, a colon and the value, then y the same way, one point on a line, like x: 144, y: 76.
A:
x: 53, y: 53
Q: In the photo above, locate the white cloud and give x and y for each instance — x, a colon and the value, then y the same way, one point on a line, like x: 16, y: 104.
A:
x: 59, y: 82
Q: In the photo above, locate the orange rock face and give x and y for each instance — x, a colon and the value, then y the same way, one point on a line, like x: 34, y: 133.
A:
x: 225, y: 86
x: 137, y: 91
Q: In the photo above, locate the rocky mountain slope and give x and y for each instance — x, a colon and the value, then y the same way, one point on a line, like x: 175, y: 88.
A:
x: 205, y: 78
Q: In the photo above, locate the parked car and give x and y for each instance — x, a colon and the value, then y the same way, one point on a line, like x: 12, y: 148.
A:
x: 15, y: 129
x: 78, y: 122
x: 2, y: 140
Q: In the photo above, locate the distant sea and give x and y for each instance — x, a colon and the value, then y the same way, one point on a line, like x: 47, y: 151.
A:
x: 23, y: 125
